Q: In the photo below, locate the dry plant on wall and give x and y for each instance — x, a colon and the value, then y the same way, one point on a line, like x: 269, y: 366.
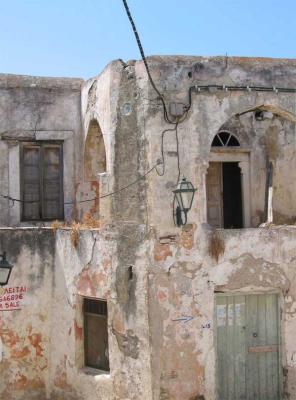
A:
x: 216, y: 246
x: 57, y: 225
x: 88, y: 222
x: 74, y: 235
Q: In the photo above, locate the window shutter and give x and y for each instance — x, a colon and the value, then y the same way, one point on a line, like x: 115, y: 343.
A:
x: 31, y: 182
x: 52, y: 182
x: 42, y: 181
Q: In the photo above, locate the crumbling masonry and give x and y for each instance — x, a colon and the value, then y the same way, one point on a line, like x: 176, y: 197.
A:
x: 202, y: 311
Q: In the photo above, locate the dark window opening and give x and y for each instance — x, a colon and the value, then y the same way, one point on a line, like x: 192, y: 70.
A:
x: 96, y: 334
x: 232, y: 195
x: 41, y: 167
x: 225, y: 139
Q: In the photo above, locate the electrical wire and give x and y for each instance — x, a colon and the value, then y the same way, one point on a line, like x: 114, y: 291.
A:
x: 186, y: 108
x: 178, y: 154
x: 248, y: 88
x: 176, y: 123
x: 196, y: 88
x: 161, y: 173
x: 13, y: 200
x: 119, y: 190
x: 180, y: 119
x: 129, y: 15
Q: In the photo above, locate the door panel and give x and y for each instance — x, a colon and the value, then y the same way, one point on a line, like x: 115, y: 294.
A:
x: 230, y: 318
x: 214, y: 194
x: 247, y: 347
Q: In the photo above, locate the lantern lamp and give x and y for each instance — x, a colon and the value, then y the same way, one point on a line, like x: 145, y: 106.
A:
x: 184, y: 195
x: 5, y: 270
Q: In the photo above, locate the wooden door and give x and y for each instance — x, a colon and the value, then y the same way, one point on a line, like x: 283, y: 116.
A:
x: 247, y: 333
x: 214, y: 195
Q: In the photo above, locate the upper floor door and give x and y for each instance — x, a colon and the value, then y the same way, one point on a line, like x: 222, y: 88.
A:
x: 224, y: 195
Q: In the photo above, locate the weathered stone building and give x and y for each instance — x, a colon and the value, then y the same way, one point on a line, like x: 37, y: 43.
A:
x: 127, y: 305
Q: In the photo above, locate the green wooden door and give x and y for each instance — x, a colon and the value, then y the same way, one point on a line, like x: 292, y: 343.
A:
x: 247, y: 333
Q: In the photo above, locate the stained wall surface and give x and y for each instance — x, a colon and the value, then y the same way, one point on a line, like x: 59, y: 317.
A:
x: 42, y: 330
x: 42, y: 109
x: 189, y: 265
x: 25, y: 315
x: 160, y: 281
x: 187, y: 272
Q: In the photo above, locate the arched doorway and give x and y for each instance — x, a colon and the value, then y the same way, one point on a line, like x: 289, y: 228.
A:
x: 94, y: 152
x: 227, y: 183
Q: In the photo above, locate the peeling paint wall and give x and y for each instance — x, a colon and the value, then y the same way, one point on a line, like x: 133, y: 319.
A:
x: 159, y: 280
x: 99, y: 103
x: 272, y: 138
x: 184, y: 272
x: 80, y: 271
x: 33, y: 108
x: 43, y: 342
x: 25, y: 333
x: 182, y: 284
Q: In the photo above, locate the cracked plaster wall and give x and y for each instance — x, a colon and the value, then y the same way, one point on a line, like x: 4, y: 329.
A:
x: 24, y: 333
x: 151, y: 355
x: 98, y: 268
x: 117, y: 271
x: 182, y: 274
x: 272, y: 138
x: 34, y: 108
x: 182, y: 283
x: 42, y: 343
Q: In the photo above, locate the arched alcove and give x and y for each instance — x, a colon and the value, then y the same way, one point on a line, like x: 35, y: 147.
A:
x: 94, y: 152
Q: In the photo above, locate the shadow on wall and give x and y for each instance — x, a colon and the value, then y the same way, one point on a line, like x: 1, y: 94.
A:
x: 94, y: 152
x: 88, y: 191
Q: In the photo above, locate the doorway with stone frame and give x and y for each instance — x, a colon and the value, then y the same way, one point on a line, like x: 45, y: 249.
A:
x: 228, y: 183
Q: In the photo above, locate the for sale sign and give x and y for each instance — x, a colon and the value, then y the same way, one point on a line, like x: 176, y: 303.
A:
x: 12, y: 298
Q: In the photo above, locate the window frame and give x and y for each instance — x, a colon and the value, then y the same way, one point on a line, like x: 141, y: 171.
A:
x: 225, y: 145
x: 41, y: 144
x: 85, y: 336
x: 243, y: 157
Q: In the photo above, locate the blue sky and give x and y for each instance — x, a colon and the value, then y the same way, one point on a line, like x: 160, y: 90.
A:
x: 79, y: 37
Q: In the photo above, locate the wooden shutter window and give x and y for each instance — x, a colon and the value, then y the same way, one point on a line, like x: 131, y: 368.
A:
x: 42, y: 181
x: 52, y: 206
x: 31, y: 182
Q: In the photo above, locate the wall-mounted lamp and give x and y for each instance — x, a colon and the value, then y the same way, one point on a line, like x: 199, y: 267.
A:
x: 5, y: 270
x: 184, y: 195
